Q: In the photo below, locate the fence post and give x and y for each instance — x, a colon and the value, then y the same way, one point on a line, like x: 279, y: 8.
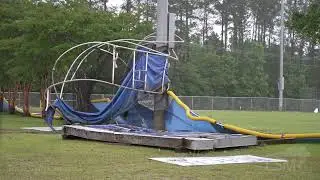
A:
x: 191, y: 102
x: 251, y: 105
x: 212, y: 103
x: 232, y: 103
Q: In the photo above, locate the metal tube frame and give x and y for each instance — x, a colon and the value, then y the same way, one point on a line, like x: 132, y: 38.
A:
x: 133, y: 69
x: 146, y: 72
x: 98, y: 45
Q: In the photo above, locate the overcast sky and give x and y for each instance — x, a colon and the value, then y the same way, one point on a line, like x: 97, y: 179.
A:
x: 216, y: 28
x: 115, y: 2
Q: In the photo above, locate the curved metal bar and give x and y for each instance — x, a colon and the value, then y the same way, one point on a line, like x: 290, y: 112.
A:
x: 81, y: 63
x: 111, y: 53
x: 100, y: 43
x: 87, y: 56
x: 149, y: 35
x: 110, y: 43
x: 105, y: 82
x: 132, y: 43
x: 65, y: 78
x: 106, y: 51
x: 64, y: 53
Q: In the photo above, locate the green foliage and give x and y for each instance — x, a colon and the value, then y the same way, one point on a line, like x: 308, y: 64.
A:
x: 239, y: 73
x: 307, y: 23
x: 295, y: 80
x: 34, y: 34
x: 252, y: 79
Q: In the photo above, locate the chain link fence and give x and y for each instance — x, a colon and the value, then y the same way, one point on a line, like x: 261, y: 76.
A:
x: 206, y: 102
x: 249, y: 103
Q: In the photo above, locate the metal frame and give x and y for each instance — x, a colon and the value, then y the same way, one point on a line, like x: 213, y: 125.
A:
x: 98, y: 45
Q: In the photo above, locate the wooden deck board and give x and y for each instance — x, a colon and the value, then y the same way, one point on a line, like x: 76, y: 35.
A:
x: 185, y: 140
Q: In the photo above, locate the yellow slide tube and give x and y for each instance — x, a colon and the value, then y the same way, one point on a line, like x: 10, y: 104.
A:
x: 238, y: 129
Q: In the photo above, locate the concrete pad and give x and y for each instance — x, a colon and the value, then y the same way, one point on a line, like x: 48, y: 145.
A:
x: 42, y: 129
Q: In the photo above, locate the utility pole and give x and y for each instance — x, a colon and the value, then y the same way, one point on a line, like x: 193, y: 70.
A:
x: 281, y: 78
x: 165, y: 36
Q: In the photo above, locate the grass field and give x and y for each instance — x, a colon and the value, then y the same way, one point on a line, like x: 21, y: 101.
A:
x: 47, y: 156
x: 275, y: 122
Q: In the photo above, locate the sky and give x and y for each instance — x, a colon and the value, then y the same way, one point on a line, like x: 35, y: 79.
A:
x: 115, y: 2
x: 217, y: 29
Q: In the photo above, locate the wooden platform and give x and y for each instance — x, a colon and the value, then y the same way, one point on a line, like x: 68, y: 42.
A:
x: 181, y: 140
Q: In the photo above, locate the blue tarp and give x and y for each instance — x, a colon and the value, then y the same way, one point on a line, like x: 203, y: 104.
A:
x: 125, y: 99
x: 124, y: 108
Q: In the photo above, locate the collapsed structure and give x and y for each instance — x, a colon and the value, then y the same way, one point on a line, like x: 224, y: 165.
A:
x: 143, y: 101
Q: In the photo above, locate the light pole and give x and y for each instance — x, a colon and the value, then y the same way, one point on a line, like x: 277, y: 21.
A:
x: 281, y: 78
x: 165, y: 37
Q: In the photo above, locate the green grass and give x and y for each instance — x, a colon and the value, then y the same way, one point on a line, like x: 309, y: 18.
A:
x: 16, y: 122
x: 275, y: 122
x: 47, y: 156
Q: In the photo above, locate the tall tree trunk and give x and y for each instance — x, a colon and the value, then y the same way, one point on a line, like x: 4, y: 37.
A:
x: 90, y: 3
x: 235, y: 34
x: 83, y: 93
x: 264, y: 34
x: 205, y: 26
x: 241, y: 33
x: 222, y: 25
x: 12, y: 99
x: 105, y: 5
x: 26, y: 104
x: 269, y: 39
x: 148, y: 10
x: 187, y: 30
x: 1, y: 98
x: 311, y: 49
x: 301, y: 47
x: 43, y: 101
x: 252, y: 35
x: 258, y: 35
x: 206, y: 32
x: 84, y: 89
x: 10, y: 104
x: 203, y: 31
x: 225, y: 34
x: 256, y: 30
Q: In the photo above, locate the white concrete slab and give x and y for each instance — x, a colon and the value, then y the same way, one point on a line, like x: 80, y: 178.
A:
x: 200, y: 161
x: 43, y: 129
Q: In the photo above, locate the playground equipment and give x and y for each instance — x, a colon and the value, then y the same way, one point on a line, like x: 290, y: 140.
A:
x: 143, y: 106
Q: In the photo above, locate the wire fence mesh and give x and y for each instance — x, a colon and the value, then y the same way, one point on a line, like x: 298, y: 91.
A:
x: 205, y: 102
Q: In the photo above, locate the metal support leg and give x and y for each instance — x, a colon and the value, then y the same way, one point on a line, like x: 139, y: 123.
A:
x: 146, y: 72
x: 113, y: 63
x: 133, y: 69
